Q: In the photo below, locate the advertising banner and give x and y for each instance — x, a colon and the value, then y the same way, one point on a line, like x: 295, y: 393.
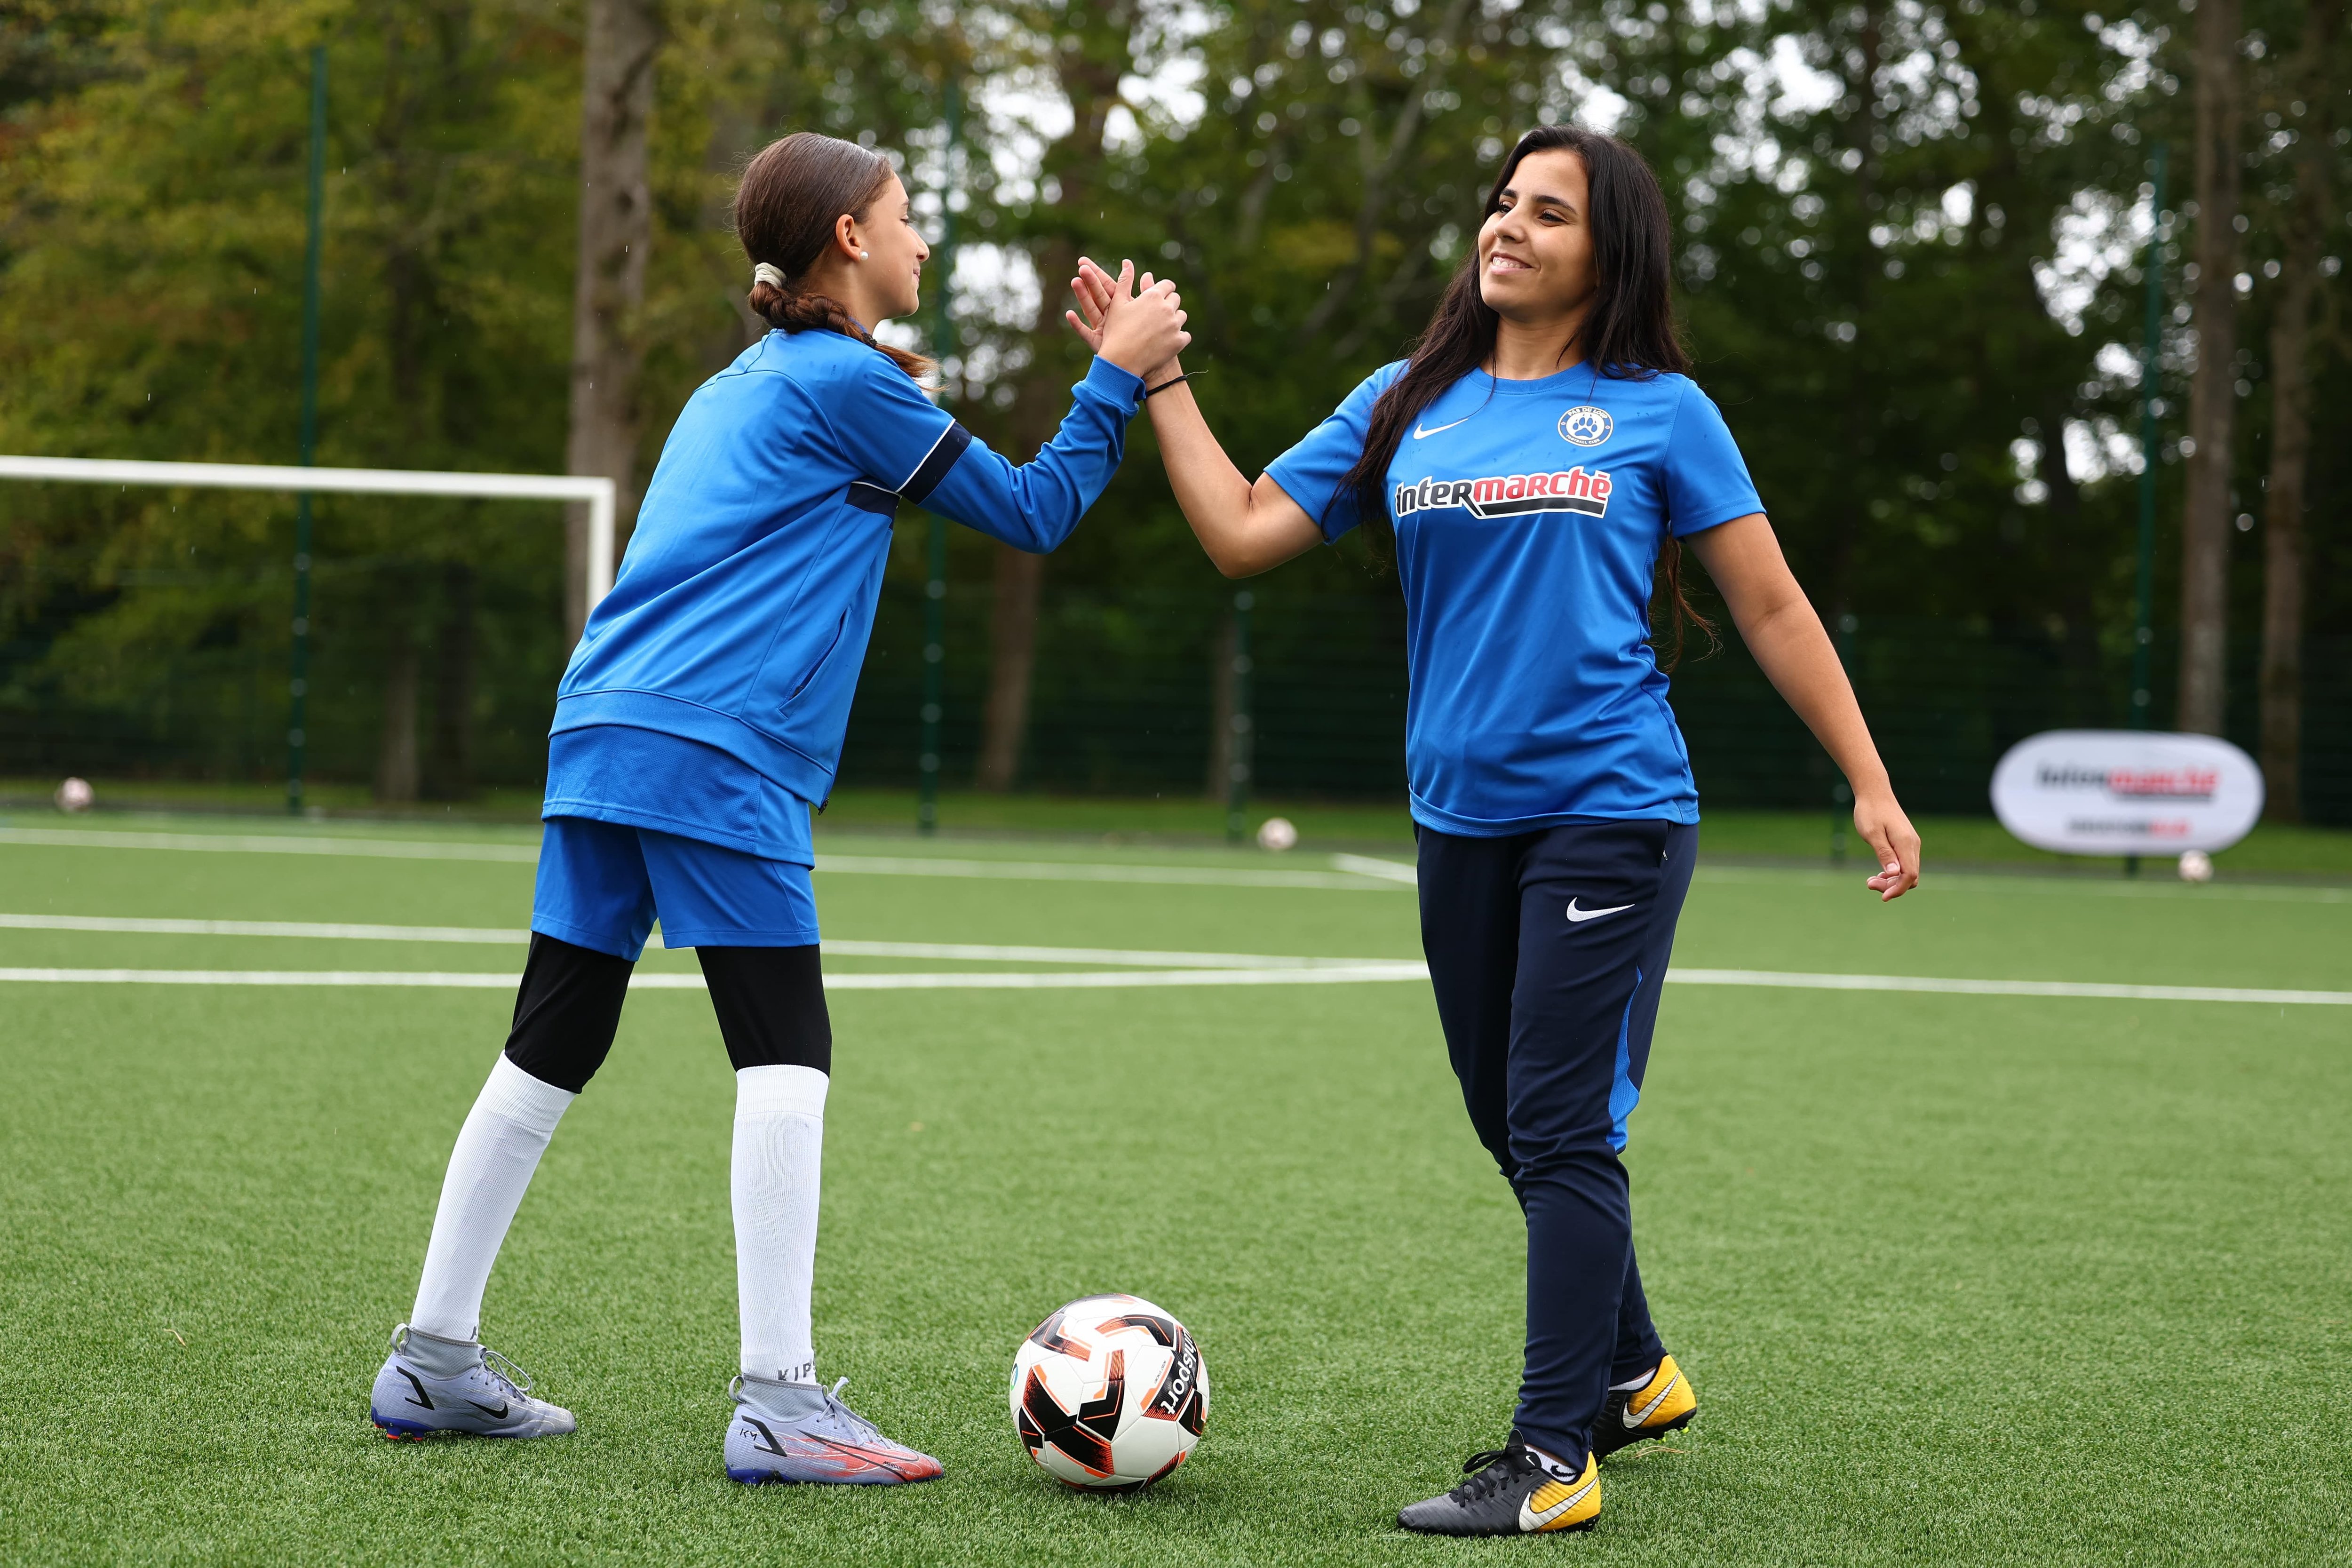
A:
x: 2126, y: 792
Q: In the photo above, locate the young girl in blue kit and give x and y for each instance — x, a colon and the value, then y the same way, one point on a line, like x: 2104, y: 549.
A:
x: 701, y: 716
x: 1537, y: 465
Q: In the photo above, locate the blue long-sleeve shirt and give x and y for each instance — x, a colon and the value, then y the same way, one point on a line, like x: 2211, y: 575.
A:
x: 711, y: 691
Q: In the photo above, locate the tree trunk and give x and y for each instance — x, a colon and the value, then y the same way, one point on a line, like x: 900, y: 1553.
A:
x: 2212, y: 392
x: 395, y: 755
x: 615, y: 230
x: 1089, y: 59
x: 1013, y: 661
x: 450, y: 775
x: 2290, y: 358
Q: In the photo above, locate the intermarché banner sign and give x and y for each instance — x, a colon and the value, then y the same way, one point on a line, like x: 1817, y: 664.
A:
x: 2126, y: 792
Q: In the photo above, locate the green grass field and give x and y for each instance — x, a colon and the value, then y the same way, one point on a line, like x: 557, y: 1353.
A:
x: 1959, y: 1279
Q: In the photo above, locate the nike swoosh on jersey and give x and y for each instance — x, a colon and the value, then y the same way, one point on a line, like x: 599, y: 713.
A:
x: 1578, y: 917
x: 1421, y: 434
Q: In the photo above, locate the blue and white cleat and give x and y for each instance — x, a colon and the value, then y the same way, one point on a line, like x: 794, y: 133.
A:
x: 800, y: 1432
x: 430, y: 1385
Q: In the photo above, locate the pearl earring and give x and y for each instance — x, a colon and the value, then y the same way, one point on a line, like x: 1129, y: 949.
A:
x: 862, y: 255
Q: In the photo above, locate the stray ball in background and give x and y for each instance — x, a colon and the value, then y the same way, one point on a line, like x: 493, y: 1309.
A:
x: 2197, y: 867
x: 75, y: 795
x: 1276, y: 832
x: 1109, y: 1393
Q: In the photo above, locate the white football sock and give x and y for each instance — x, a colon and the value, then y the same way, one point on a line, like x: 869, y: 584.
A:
x: 497, y: 1149
x: 1551, y: 1465
x: 779, y: 1153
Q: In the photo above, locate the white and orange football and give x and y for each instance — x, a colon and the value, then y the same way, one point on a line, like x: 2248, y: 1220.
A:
x: 1109, y: 1393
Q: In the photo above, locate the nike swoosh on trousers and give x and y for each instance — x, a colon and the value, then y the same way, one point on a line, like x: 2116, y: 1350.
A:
x: 1578, y: 917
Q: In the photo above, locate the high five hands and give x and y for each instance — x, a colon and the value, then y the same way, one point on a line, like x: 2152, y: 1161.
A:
x: 1139, y: 329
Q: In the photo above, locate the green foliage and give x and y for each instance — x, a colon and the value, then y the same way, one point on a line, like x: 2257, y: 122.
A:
x: 1908, y: 265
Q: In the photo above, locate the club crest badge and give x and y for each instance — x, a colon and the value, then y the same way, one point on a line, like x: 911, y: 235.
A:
x: 1586, y: 425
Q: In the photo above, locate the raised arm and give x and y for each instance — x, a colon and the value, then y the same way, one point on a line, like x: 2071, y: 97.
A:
x: 1245, y: 527
x: 1033, y: 506
x: 1778, y: 623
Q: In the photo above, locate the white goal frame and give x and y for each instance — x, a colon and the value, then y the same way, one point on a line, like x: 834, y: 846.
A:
x: 598, y: 493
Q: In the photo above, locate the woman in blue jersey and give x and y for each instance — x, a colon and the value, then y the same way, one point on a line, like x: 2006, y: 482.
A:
x: 701, y: 716
x: 1537, y: 464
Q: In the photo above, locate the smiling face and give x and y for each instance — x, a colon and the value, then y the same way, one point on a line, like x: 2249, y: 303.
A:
x: 893, y: 266
x: 1535, y: 249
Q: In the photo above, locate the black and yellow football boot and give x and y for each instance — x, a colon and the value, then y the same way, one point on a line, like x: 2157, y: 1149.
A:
x: 1509, y: 1492
x: 1665, y: 1404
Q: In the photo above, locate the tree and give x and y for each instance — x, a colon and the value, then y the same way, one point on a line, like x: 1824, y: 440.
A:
x: 1090, y: 50
x: 2309, y: 96
x: 2213, y: 391
x: 616, y: 104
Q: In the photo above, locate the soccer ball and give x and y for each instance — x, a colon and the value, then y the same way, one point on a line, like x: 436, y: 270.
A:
x: 75, y: 795
x: 2197, y: 867
x: 1109, y: 1393
x: 1276, y: 832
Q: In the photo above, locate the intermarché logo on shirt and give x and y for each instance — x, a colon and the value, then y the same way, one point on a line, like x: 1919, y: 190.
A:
x: 1511, y: 495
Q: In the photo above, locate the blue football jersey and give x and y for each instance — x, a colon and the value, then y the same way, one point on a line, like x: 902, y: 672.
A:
x: 1529, y: 519
x: 733, y: 637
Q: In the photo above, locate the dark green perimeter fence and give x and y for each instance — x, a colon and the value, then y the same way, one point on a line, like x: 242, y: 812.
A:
x: 182, y: 675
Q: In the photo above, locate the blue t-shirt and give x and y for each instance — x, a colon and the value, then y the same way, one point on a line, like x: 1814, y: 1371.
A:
x: 740, y: 619
x: 1528, y: 516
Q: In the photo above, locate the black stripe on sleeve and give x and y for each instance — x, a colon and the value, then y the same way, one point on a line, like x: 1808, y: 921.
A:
x: 872, y: 498
x: 934, y: 468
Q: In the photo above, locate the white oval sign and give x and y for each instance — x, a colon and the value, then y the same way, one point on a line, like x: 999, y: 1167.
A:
x: 2126, y: 792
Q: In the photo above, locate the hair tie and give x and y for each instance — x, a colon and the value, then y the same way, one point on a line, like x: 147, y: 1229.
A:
x: 767, y: 272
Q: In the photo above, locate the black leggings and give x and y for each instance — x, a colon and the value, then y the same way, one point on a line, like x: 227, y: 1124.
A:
x: 770, y: 1002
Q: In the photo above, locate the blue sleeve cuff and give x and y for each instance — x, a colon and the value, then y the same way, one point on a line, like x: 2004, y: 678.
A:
x: 1122, y: 388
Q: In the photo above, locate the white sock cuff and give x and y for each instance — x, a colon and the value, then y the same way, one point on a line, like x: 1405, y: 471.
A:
x: 525, y: 1100
x: 764, y: 1093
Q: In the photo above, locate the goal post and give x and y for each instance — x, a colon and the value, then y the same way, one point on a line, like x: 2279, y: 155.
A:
x: 598, y: 493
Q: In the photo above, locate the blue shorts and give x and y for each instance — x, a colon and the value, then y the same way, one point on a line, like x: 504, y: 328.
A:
x: 601, y: 885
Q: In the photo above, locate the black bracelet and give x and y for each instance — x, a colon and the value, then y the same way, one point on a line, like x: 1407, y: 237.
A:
x: 1168, y: 383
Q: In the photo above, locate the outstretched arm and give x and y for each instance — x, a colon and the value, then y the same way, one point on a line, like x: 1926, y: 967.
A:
x: 1778, y: 623
x: 1245, y: 527
x: 1033, y: 506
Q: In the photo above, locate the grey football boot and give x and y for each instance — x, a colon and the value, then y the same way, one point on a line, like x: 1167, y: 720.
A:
x: 1510, y: 1492
x: 430, y: 1385
x: 801, y: 1432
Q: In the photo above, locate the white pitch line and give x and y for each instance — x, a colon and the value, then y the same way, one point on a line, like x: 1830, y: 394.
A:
x: 1387, y: 870
x: 962, y: 981
x: 1096, y: 871
x: 496, y: 936
x: 843, y: 864
x: 129, y: 925
x: 2089, y: 988
x: 1334, y: 973
x: 273, y: 844
x: 420, y: 979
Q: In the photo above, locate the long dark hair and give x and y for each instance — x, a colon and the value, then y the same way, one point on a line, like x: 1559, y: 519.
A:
x: 792, y: 194
x: 1629, y: 334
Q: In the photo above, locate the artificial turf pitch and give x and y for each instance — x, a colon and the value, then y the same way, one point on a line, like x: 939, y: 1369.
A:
x: 1957, y: 1279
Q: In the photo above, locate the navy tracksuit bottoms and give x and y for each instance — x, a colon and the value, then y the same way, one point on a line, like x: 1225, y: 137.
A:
x: 1547, y: 952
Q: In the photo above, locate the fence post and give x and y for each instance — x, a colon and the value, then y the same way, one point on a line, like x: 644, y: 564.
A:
x: 935, y: 579
x: 2143, y: 699
x: 298, y: 683
x: 1238, y: 787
